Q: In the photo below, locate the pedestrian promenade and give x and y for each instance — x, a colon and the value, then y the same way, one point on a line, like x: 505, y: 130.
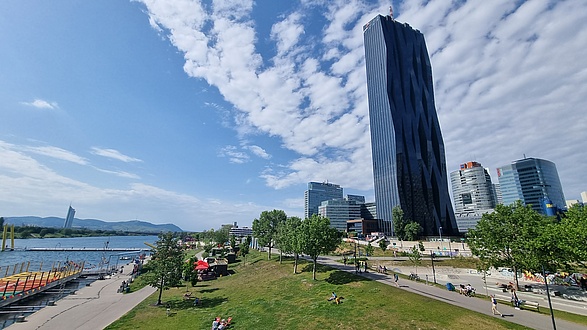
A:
x: 90, y: 308
x: 524, y: 317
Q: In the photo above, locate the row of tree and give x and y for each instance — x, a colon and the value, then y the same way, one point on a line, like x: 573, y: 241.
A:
x: 517, y: 236
x: 312, y: 236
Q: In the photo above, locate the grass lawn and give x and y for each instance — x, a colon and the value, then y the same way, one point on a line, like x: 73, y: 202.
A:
x: 267, y: 295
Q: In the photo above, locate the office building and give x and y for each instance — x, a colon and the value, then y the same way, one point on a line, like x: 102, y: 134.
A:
x: 339, y: 211
x: 317, y: 193
x: 409, y: 164
x: 584, y: 197
x: 69, y: 218
x: 472, y: 189
x: 533, y: 181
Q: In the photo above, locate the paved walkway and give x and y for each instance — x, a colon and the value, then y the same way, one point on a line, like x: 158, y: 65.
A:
x: 527, y: 318
x: 90, y: 308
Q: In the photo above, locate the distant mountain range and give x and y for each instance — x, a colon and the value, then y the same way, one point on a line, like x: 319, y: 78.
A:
x: 93, y: 224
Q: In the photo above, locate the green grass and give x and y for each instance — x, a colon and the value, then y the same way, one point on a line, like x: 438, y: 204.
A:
x: 267, y: 295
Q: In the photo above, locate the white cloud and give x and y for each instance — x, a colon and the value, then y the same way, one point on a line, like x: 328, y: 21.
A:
x: 233, y: 155
x: 508, y: 80
x: 114, y: 154
x: 258, y: 151
x: 41, y: 104
x: 58, y: 153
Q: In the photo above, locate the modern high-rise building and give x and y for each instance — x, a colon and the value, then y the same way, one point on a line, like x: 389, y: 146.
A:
x: 533, y: 181
x: 339, y: 211
x: 317, y: 193
x: 409, y: 164
x: 69, y: 219
x: 472, y: 189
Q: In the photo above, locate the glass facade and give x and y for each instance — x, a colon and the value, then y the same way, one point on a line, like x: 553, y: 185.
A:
x: 317, y: 193
x: 409, y: 164
x: 531, y: 180
x: 472, y: 189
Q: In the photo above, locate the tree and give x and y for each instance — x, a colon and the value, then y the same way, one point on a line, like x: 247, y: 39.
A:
x: 317, y: 238
x: 383, y: 245
x: 412, y: 231
x: 265, y: 228
x: 189, y: 271
x: 289, y: 238
x: 244, y: 248
x: 1, y: 221
x: 508, y: 237
x: 415, y: 257
x: 369, y: 249
x: 399, y: 222
x: 166, y: 264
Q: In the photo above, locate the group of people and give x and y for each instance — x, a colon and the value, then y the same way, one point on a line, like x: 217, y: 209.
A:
x: 221, y: 324
x: 382, y: 269
x: 467, y: 290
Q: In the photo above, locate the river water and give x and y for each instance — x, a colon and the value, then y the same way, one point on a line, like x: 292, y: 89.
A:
x: 92, y: 259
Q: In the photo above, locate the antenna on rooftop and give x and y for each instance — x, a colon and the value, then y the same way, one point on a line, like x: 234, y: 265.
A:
x: 391, y: 11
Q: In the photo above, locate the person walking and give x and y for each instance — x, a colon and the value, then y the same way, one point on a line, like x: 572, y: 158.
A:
x: 494, y: 306
x: 395, y: 279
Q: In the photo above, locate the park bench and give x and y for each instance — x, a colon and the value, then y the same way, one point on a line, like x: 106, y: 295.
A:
x: 530, y: 304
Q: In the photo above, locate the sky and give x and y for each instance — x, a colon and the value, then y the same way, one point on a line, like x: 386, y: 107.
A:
x: 203, y: 113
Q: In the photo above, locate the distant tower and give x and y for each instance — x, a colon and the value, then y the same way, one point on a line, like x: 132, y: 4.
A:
x: 532, y: 181
x: 409, y: 164
x: 69, y: 219
x: 317, y: 193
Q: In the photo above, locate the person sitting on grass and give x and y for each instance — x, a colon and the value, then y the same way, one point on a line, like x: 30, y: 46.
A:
x: 333, y: 297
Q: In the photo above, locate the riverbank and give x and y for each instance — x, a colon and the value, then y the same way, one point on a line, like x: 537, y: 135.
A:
x: 92, y: 307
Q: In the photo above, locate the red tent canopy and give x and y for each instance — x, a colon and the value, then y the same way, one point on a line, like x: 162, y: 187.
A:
x: 202, y: 265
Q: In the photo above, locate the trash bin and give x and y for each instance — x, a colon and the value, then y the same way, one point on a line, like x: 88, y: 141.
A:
x: 450, y: 286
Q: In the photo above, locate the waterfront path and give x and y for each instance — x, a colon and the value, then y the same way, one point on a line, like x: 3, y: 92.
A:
x: 524, y: 317
x: 92, y: 307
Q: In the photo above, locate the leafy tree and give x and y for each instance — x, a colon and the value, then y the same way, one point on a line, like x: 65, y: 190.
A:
x: 415, y: 257
x: 166, y: 264
x: 421, y: 246
x: 383, y: 245
x: 1, y: 221
x: 265, y: 228
x: 232, y: 241
x: 369, y: 249
x: 412, y: 231
x: 289, y: 238
x: 317, y: 238
x: 244, y: 250
x: 399, y: 222
x: 189, y: 271
x: 508, y: 237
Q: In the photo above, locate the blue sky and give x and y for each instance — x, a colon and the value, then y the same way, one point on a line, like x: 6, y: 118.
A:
x: 201, y: 113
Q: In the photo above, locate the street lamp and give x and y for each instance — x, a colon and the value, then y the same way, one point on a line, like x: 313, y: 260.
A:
x: 433, y: 271
x: 548, y: 295
x: 440, y: 233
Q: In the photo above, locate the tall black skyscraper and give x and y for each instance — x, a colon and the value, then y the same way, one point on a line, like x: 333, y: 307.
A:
x: 409, y: 164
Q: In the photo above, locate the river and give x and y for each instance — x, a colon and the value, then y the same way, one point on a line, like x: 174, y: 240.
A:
x: 92, y: 259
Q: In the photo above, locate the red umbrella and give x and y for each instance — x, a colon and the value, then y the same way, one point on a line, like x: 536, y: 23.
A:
x: 202, y: 265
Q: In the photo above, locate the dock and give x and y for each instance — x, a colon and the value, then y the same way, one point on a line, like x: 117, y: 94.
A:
x: 55, y: 249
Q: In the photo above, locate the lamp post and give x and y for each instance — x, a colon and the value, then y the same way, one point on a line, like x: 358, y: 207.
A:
x: 356, y: 262
x: 440, y: 233
x: 548, y: 295
x: 433, y: 271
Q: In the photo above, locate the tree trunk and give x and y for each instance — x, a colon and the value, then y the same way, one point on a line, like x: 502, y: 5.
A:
x: 314, y: 270
x: 296, y: 263
x: 160, y: 291
x: 269, y: 252
x: 515, y: 269
x: 280, y: 255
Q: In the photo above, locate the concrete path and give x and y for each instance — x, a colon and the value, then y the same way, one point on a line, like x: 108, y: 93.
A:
x: 90, y: 308
x: 527, y: 318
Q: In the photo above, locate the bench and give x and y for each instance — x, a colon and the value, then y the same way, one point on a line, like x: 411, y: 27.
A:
x: 530, y: 304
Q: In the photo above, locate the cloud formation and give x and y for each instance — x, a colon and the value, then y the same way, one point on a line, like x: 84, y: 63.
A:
x: 41, y: 104
x: 508, y: 76
x: 114, y: 154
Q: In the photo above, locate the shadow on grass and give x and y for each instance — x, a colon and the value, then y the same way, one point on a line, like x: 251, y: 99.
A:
x: 209, y: 290
x: 340, y: 277
x: 319, y: 268
x: 180, y: 304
